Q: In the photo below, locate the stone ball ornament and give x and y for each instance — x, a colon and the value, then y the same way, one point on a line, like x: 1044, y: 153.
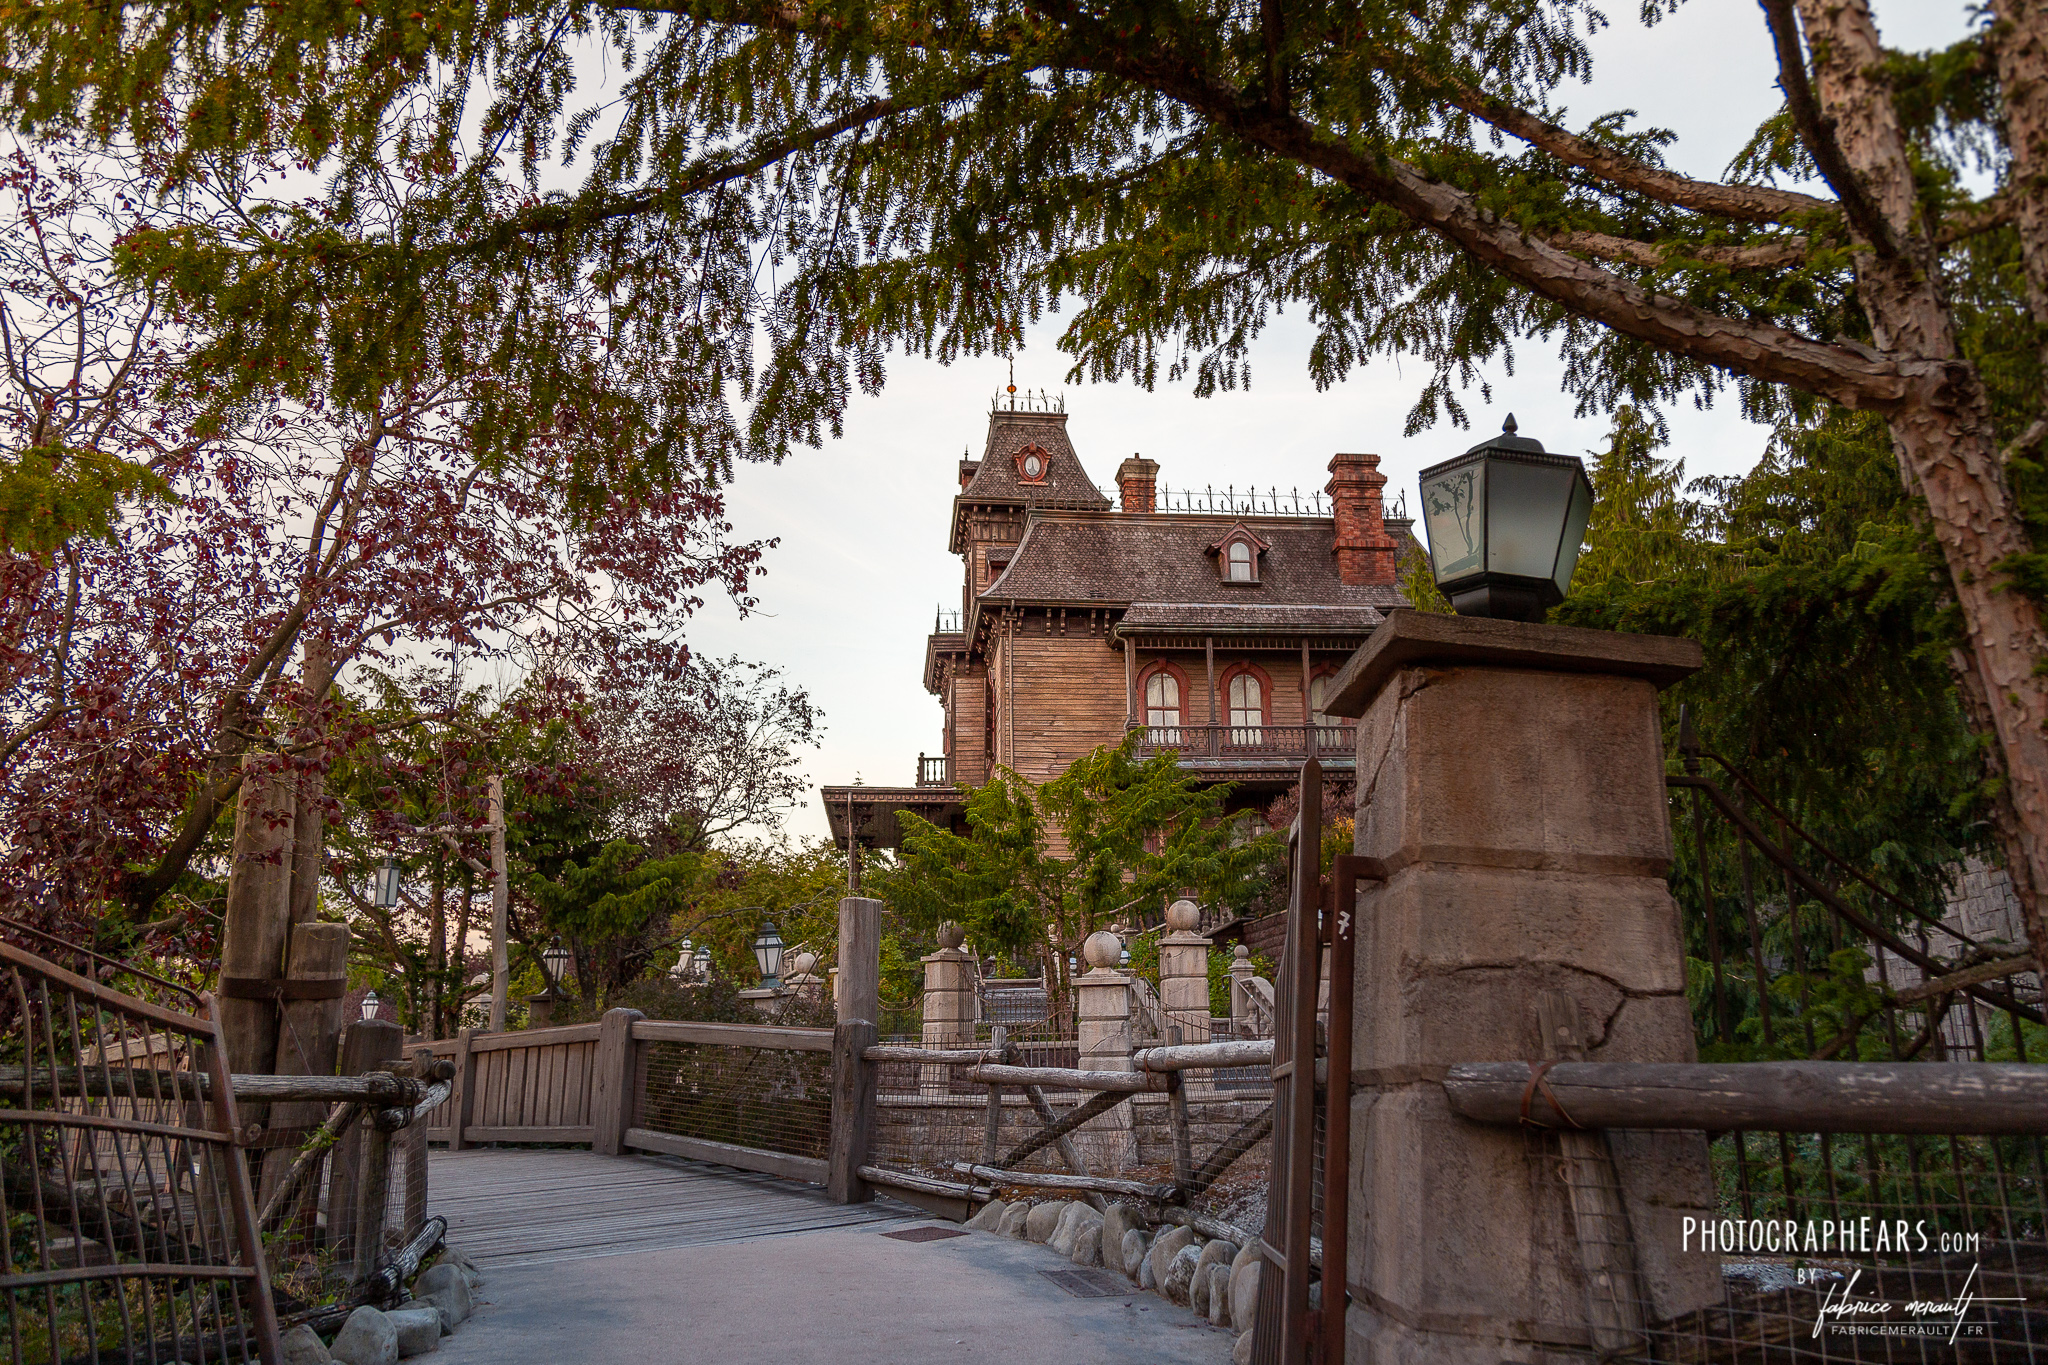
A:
x: 951, y: 935
x: 1183, y: 916
x: 1103, y: 949
x: 803, y: 964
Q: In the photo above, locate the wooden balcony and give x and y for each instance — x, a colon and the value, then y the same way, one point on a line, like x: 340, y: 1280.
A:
x: 935, y: 771
x: 1249, y: 746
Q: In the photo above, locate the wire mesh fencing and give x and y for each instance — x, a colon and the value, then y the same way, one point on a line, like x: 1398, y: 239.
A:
x: 770, y: 1099
x: 1880, y: 1248
x: 130, y: 1228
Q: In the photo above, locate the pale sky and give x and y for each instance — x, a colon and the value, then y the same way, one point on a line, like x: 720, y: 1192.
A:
x: 850, y: 593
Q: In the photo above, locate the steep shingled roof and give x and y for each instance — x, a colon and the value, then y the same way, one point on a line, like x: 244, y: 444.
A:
x: 1164, y: 559
x: 1066, y: 483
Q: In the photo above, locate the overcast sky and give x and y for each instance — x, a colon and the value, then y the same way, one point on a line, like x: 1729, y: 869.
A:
x: 850, y: 592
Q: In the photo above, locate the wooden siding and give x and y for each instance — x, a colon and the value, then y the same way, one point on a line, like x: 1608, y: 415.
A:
x: 967, y: 721
x: 1069, y: 697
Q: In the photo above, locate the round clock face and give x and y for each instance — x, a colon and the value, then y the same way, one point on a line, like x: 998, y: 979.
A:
x: 1033, y: 466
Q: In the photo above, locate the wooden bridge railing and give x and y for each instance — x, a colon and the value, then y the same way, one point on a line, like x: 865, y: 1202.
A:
x: 756, y: 1097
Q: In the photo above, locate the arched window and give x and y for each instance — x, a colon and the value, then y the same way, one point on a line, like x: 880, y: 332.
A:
x: 1247, y: 709
x: 1237, y: 562
x: 1162, y: 708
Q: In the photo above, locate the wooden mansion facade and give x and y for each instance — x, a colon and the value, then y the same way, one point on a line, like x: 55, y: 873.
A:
x: 1211, y: 628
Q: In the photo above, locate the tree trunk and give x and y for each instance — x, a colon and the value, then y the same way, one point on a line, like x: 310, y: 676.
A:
x: 1947, y: 445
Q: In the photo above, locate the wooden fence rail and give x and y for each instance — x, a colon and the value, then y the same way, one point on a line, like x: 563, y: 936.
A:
x: 586, y: 1083
x: 1989, y: 1098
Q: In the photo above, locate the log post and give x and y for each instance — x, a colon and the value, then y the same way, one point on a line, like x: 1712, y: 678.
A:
x: 257, y: 923
x: 309, y: 1035
x: 853, y: 1113
x: 465, y: 1089
x: 366, y: 1045
x: 612, y: 1088
x: 992, y: 1126
x: 1177, y: 1118
x: 853, y: 1076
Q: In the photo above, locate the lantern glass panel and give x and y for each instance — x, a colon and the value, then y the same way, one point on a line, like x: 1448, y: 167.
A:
x: 1453, y: 514
x: 1525, y: 511
x: 1574, y: 534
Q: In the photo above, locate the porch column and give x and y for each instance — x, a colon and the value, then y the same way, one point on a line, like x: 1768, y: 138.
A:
x: 1102, y: 1006
x: 1520, y: 805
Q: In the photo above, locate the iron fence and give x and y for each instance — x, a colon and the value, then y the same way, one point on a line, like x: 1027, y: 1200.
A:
x: 131, y: 1230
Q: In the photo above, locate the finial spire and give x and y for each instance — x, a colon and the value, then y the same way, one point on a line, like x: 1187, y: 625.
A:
x: 1509, y: 425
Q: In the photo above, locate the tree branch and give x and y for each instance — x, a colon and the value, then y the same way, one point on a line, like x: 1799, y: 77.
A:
x: 1817, y: 131
x: 1751, y: 203
x: 1788, y: 251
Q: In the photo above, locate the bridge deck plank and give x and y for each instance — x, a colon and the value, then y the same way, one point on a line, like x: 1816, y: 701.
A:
x: 509, y: 1207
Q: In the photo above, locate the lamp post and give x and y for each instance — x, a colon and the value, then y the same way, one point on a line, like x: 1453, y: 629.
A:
x: 703, y: 964
x: 371, y: 1004
x: 768, y: 956
x: 1505, y: 523
x: 685, y: 961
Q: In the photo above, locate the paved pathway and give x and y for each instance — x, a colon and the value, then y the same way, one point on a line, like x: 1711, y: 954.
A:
x: 655, y: 1261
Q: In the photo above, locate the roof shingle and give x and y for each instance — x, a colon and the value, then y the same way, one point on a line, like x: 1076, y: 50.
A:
x: 1160, y: 558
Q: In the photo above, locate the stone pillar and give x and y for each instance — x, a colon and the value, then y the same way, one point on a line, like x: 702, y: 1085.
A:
x: 803, y: 981
x: 1241, y: 973
x: 1519, y: 808
x: 1102, y: 1009
x: 948, y: 1005
x: 1184, y: 972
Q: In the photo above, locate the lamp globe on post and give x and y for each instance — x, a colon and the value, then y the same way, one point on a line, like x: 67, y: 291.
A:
x: 1505, y: 522
x: 371, y: 1004
x: 685, y: 960
x: 556, y: 960
x: 554, y: 965
x: 768, y: 955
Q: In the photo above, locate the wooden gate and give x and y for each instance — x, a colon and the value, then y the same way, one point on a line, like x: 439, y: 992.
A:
x: 1311, y: 1162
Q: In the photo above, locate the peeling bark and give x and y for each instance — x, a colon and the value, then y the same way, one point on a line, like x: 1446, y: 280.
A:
x: 1945, y: 437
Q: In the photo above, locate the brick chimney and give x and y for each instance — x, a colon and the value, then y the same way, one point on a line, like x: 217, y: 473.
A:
x: 1136, y: 478
x: 1365, y: 552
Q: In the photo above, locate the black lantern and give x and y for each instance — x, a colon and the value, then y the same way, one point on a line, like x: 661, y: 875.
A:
x: 768, y: 955
x: 555, y: 961
x: 387, y: 885
x: 703, y: 963
x: 1505, y: 522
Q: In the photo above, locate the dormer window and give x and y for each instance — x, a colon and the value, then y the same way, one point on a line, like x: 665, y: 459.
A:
x: 1237, y: 555
x: 1033, y: 464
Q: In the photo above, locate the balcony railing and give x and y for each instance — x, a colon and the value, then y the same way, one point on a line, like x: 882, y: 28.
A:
x: 935, y: 772
x: 1236, y: 742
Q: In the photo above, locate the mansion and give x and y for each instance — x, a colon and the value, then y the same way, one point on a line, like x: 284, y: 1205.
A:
x: 1211, y: 628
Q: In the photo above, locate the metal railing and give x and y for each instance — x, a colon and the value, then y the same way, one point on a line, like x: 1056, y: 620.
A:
x: 1334, y: 743
x: 935, y: 770
x: 131, y: 1230
x: 946, y: 621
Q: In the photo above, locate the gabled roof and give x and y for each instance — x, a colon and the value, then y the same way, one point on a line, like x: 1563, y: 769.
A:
x: 1162, y: 559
